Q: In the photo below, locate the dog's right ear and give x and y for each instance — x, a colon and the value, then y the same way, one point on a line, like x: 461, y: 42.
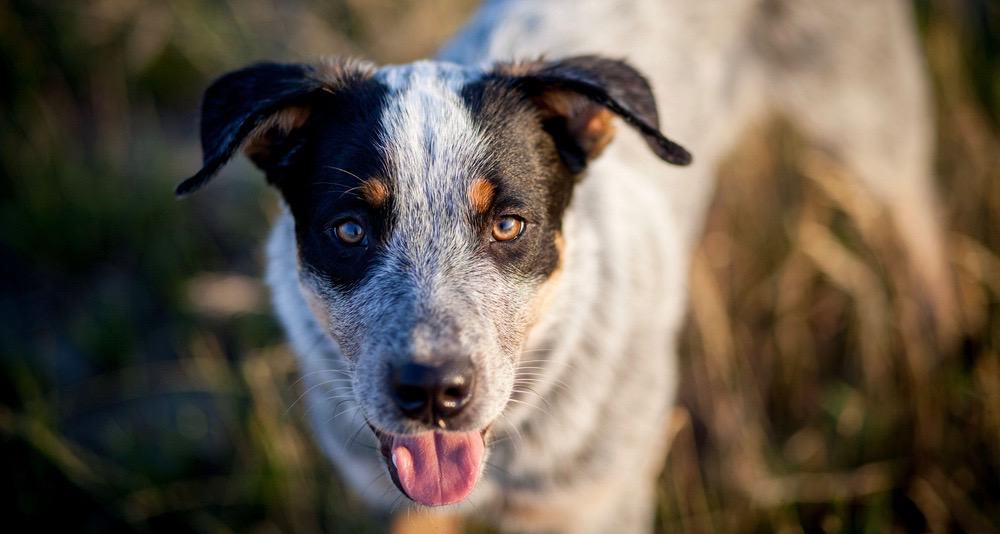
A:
x: 258, y: 108
x: 576, y: 97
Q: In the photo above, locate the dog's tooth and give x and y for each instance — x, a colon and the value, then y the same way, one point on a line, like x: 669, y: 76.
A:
x: 394, y: 460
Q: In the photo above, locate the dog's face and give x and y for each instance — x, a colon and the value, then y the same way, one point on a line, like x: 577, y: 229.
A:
x: 428, y: 202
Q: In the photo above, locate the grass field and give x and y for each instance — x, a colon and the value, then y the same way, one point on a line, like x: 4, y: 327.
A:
x: 144, y: 384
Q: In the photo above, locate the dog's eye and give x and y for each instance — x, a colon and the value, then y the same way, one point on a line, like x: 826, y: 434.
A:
x: 508, y: 228
x: 349, y: 232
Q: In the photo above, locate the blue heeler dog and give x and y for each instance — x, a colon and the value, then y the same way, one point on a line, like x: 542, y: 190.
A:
x: 472, y: 262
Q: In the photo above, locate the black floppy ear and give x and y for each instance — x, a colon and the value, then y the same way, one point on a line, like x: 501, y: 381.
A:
x: 576, y: 97
x: 257, y: 107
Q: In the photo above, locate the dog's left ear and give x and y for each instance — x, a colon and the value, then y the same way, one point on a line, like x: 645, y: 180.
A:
x: 576, y: 97
x: 257, y: 108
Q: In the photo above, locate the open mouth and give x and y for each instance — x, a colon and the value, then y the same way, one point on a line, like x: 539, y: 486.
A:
x: 434, y: 468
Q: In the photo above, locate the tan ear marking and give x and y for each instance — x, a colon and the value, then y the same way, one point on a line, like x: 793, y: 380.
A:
x: 598, y: 132
x: 591, y: 124
x: 374, y: 191
x: 481, y: 193
x: 282, y: 122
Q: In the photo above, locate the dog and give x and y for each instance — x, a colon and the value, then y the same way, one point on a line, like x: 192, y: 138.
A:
x: 481, y: 260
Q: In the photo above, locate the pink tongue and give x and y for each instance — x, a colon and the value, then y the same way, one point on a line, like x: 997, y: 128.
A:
x: 437, y: 468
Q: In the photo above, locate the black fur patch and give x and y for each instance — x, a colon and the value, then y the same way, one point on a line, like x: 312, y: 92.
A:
x: 530, y: 178
x: 340, y: 151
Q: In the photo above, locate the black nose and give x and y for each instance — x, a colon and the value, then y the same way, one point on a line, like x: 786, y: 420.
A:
x: 432, y: 394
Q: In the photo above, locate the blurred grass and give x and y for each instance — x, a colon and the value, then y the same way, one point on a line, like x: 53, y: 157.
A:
x: 145, y: 385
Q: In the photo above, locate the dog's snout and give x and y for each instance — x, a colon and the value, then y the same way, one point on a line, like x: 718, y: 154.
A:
x: 432, y: 393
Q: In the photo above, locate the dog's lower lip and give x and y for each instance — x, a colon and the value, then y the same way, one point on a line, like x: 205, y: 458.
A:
x: 385, y: 437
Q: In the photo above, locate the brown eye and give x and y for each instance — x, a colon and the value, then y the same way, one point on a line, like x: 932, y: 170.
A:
x: 350, y: 232
x: 508, y: 228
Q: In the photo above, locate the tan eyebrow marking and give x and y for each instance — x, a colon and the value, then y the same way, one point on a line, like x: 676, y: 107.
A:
x: 374, y: 191
x: 481, y: 193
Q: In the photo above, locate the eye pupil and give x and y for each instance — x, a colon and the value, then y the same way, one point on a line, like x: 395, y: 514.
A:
x: 508, y: 228
x: 350, y: 232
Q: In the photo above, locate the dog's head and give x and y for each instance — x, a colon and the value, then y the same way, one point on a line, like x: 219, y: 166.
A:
x: 428, y: 201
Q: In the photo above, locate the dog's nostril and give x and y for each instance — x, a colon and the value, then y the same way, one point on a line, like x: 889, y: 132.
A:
x: 411, y: 398
x: 413, y: 389
x: 455, y: 390
x: 432, y: 393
